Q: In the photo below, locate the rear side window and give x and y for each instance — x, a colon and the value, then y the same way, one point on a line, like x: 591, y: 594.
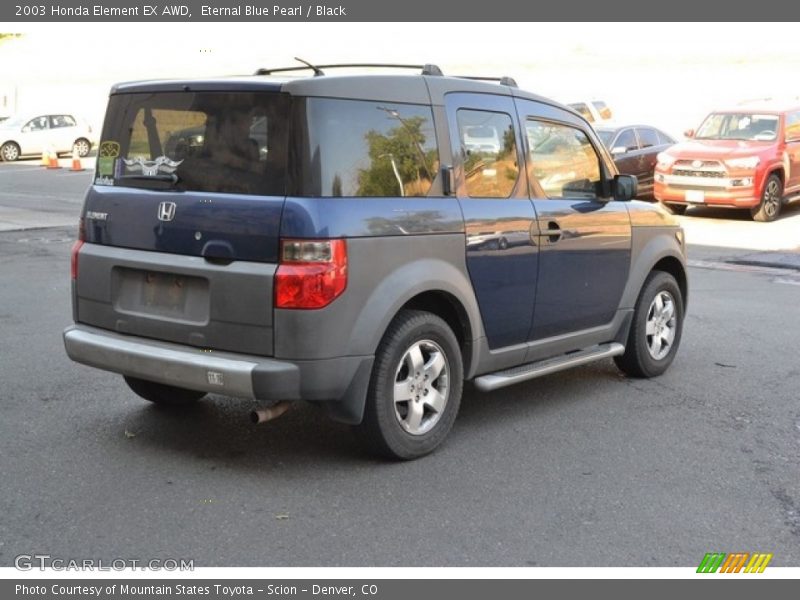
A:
x: 489, y: 152
x: 196, y: 141
x: 563, y: 160
x: 352, y: 148
x: 664, y: 138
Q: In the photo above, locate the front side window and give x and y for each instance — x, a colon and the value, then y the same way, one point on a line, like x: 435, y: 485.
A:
x: 793, y: 126
x: 647, y: 137
x: 625, y: 142
x: 563, y: 160
x: 196, y: 141
x: 37, y: 124
x: 489, y: 152
x: 356, y: 148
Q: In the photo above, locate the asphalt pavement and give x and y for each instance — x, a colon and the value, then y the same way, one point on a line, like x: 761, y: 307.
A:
x: 581, y: 468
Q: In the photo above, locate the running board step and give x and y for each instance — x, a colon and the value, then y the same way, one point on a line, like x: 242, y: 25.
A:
x: 499, y: 379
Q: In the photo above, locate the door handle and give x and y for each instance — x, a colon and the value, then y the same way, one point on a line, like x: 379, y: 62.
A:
x: 553, y: 232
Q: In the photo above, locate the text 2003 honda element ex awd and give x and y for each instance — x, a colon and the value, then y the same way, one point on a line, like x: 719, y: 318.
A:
x: 365, y: 243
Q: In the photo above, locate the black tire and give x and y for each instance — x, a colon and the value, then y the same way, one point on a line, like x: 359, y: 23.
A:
x: 677, y: 209
x: 83, y: 146
x: 771, y: 199
x: 388, y: 428
x: 9, y: 152
x: 159, y: 393
x: 638, y: 359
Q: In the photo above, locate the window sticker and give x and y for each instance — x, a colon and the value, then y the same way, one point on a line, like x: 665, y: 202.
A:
x: 109, y: 149
x: 106, y: 154
x: 152, y: 168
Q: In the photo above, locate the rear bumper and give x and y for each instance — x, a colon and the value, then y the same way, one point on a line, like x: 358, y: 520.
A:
x: 341, y: 379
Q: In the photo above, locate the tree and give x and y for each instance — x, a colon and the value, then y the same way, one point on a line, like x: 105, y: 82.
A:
x: 404, y: 146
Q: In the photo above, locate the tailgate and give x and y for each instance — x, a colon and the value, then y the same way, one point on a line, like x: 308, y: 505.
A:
x: 182, y: 221
x: 182, y: 299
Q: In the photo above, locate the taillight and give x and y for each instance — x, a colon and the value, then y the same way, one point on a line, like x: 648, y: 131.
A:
x: 73, y: 263
x: 311, y: 273
x: 76, y: 247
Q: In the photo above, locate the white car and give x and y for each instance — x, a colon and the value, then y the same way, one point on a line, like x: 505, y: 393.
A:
x: 32, y: 134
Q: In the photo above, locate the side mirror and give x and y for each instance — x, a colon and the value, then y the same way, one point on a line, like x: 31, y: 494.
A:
x: 625, y: 187
x: 617, y: 150
x: 689, y: 133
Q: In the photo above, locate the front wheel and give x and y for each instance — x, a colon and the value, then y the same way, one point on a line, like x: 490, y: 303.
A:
x: 771, y: 198
x: 9, y: 152
x: 656, y: 329
x: 160, y: 393
x: 415, y: 389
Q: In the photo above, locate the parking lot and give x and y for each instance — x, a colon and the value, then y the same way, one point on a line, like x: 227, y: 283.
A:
x: 580, y: 468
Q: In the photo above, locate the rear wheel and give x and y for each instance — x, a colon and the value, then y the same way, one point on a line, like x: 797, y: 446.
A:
x: 415, y: 389
x: 771, y: 198
x: 656, y: 329
x: 160, y: 393
x: 82, y: 147
x: 9, y: 152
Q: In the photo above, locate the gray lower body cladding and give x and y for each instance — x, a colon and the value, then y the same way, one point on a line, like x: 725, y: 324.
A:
x: 341, y: 379
x: 176, y: 298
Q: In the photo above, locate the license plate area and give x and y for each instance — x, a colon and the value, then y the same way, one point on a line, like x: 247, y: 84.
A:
x: 695, y: 196
x: 161, y: 295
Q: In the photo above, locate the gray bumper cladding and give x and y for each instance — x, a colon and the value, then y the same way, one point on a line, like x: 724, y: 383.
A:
x: 181, y: 366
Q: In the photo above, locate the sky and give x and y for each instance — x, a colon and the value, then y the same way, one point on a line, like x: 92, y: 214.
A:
x: 664, y: 74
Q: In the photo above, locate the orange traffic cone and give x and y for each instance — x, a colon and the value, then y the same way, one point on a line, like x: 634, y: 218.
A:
x: 53, y: 160
x: 45, y: 158
x: 76, y: 161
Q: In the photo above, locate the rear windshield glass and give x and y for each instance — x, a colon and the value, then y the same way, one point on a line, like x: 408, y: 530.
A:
x: 196, y: 141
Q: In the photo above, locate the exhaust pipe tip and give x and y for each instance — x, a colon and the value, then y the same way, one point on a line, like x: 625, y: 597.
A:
x: 268, y: 414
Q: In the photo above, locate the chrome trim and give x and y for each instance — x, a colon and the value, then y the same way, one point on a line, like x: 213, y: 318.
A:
x: 500, y: 379
x: 709, y: 182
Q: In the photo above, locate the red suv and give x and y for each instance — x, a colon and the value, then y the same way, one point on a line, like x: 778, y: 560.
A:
x: 748, y: 157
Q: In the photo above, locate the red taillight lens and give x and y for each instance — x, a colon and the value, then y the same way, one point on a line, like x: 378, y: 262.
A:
x: 311, y: 274
x: 73, y: 263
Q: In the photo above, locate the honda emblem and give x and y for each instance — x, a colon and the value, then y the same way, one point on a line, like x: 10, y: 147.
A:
x: 166, y: 211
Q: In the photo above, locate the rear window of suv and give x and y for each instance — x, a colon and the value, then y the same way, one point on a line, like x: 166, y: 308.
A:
x: 196, y: 141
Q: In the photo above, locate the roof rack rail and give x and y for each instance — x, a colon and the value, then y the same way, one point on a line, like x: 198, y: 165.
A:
x: 509, y: 81
x: 428, y: 69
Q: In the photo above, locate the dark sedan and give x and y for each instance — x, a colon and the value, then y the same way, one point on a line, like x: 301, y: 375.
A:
x: 634, y: 148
